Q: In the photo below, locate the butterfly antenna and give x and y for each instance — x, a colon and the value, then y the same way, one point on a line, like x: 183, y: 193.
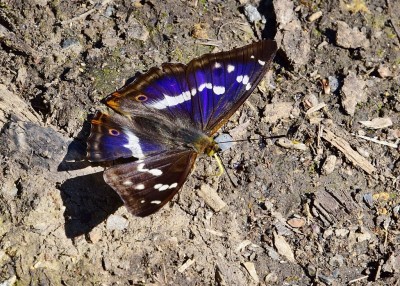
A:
x: 221, y: 168
x: 220, y: 165
x: 252, y: 139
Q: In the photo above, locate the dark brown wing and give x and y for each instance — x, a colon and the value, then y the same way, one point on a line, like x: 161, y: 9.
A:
x: 146, y: 185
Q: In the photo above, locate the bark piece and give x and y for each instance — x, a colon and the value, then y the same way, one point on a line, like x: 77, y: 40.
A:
x: 352, y: 38
x: 352, y: 155
x: 211, y: 198
x: 352, y: 93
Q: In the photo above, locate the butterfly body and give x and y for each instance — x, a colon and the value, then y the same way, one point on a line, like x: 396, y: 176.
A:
x: 166, y: 117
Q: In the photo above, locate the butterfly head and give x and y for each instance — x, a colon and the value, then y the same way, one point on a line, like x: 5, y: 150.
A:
x: 206, y: 145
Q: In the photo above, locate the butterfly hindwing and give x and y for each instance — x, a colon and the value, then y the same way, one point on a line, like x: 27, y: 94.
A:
x: 146, y: 185
x: 114, y: 137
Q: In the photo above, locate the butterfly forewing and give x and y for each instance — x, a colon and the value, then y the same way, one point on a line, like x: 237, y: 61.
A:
x: 205, y: 93
x: 232, y: 76
x: 146, y: 185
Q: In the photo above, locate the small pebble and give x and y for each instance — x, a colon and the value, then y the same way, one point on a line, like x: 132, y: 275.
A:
x: 296, y: 222
x: 315, y: 16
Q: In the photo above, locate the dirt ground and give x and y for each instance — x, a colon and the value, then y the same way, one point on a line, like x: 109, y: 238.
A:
x: 318, y: 207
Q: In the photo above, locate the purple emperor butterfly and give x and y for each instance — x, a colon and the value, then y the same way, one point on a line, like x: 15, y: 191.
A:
x: 166, y: 117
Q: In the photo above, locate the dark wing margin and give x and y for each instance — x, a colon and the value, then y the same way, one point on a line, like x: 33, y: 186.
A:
x: 146, y: 185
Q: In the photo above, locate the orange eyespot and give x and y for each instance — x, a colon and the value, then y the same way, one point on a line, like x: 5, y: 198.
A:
x: 113, y: 132
x: 140, y: 97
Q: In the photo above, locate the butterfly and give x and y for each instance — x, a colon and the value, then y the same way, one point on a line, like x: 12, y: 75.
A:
x: 167, y: 116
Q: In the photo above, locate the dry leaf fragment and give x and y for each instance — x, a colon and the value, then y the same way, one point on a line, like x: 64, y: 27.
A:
x: 378, y: 123
x: 283, y: 247
x: 252, y: 270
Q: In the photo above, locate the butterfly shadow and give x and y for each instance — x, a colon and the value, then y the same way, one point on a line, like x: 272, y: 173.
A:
x: 88, y: 200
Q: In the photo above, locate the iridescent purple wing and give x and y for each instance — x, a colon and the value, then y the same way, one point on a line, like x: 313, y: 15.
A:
x: 222, y: 82
x: 205, y: 93
x: 113, y: 137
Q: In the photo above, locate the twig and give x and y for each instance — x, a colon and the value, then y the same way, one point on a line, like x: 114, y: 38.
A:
x: 358, y: 279
x: 396, y: 29
x: 352, y: 155
x: 84, y: 15
x: 210, y: 42
x: 393, y: 145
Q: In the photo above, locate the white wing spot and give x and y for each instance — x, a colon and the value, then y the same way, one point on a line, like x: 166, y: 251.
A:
x: 245, y: 79
x: 230, y: 68
x: 155, y: 202
x: 133, y: 144
x: 155, y: 172
x: 217, y: 65
x: 219, y: 90
x: 169, y: 101
x: 239, y: 78
x: 141, y: 169
x: 252, y: 57
x: 127, y: 183
x: 142, y: 201
x: 174, y: 185
x: 163, y: 188
x: 205, y: 85
x: 193, y: 91
x: 261, y: 62
x: 201, y: 87
x: 248, y: 86
x: 186, y: 95
x: 157, y: 186
x: 139, y: 187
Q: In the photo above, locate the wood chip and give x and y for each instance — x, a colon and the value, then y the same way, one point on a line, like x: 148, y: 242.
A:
x: 329, y: 165
x: 211, y: 198
x: 186, y: 265
x: 315, y: 108
x: 214, y: 232
x: 252, y: 270
x: 242, y: 245
x: 378, y: 123
x: 290, y: 144
x: 12, y: 103
x: 352, y: 155
x: 283, y: 247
